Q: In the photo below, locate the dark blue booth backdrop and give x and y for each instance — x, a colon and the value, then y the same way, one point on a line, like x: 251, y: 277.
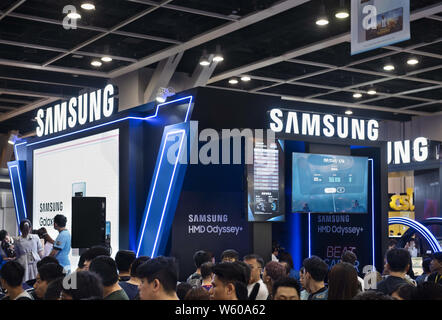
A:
x: 221, y: 190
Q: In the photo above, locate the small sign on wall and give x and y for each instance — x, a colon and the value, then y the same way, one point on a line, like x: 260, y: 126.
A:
x: 378, y: 23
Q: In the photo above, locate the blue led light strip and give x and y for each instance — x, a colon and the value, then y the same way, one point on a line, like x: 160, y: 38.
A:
x: 154, y: 186
x: 419, y: 228
x: 170, y: 185
x: 372, y: 212
x: 13, y: 190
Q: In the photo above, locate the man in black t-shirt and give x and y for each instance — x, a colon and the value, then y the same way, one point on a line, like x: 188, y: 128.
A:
x: 398, y: 263
x: 436, y: 268
x: 315, y: 271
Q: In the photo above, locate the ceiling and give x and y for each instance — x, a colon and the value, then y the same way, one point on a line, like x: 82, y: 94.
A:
x: 276, y: 43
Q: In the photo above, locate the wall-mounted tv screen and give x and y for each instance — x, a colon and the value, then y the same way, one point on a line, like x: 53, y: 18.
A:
x: 329, y: 183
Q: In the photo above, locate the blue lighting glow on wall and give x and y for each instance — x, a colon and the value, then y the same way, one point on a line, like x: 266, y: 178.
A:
x: 164, y: 192
x: 420, y: 228
x: 16, y: 168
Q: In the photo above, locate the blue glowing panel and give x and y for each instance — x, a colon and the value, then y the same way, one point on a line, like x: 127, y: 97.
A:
x: 164, y: 191
x: 17, y: 171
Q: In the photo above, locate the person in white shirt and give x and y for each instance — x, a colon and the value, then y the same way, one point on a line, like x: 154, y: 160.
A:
x: 256, y: 288
x: 411, y: 246
x: 48, y: 241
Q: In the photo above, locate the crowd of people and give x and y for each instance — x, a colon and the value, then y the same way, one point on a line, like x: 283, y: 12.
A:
x: 33, y: 272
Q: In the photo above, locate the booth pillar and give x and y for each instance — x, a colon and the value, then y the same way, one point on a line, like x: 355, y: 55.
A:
x: 262, y: 240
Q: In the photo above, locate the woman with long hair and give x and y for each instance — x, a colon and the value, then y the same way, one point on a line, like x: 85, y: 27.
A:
x: 48, y: 241
x: 29, y: 250
x: 343, y: 282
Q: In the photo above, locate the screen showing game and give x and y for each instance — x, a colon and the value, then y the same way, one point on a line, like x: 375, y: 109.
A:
x: 329, y: 183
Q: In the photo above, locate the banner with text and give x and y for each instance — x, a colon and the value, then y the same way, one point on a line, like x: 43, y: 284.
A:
x: 378, y: 23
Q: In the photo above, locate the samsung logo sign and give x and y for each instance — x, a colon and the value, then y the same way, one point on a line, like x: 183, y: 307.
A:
x: 88, y: 107
x: 311, y: 124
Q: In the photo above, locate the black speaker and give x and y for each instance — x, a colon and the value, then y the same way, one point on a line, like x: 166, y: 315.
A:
x: 88, y: 221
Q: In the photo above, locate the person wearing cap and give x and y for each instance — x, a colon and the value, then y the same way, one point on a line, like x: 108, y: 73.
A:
x: 436, y: 268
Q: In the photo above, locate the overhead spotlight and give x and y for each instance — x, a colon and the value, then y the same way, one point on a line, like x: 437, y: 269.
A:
x: 204, y: 61
x: 74, y: 16
x: 106, y: 59
x: 342, y: 12
x: 164, y: 93
x: 233, y: 81
x: 389, y: 67
x: 12, y: 138
x: 412, y: 61
x: 371, y: 92
x: 322, y: 19
x: 96, y: 63
x: 245, y: 78
x: 357, y: 95
x: 218, y: 55
x: 349, y: 112
x: 88, y: 6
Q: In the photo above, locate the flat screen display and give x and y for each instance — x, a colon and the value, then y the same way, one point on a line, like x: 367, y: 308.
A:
x: 265, y: 180
x: 329, y: 183
x: 85, y: 167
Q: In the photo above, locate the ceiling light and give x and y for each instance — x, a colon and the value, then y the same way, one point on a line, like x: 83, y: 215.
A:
x: 342, y: 15
x: 412, y: 61
x: 389, y: 67
x: 322, y: 19
x: 245, y: 78
x: 342, y: 11
x: 96, y: 63
x: 161, y: 99
x: 357, y: 95
x: 371, y: 92
x: 204, y: 60
x: 106, y: 59
x: 73, y: 15
x: 88, y: 6
x: 348, y: 112
x: 164, y: 93
x: 218, y: 55
x: 12, y: 138
x: 233, y: 81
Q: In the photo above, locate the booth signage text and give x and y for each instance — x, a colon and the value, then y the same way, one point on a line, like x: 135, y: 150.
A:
x: 88, y: 107
x: 311, y: 124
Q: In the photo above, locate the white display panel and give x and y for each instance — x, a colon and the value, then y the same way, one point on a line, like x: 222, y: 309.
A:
x: 88, y: 165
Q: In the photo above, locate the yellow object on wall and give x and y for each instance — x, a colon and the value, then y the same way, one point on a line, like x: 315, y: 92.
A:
x: 403, y: 202
x: 395, y: 230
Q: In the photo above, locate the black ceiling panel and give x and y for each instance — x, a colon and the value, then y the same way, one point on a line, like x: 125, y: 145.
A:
x: 107, y: 13
x: 435, y: 94
x: 25, y: 54
x: 243, y: 85
x: 399, y: 61
x: 294, y: 90
x: 125, y: 47
x: 437, y: 107
x: 285, y: 70
x: 85, y: 63
x: 171, y: 24
x: 227, y: 7
x: 339, y: 55
x: 435, y: 75
x: 393, y: 103
x: 340, y: 78
x: 40, y: 33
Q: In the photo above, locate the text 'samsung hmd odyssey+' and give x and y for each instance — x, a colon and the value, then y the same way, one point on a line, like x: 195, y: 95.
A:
x: 329, y: 183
